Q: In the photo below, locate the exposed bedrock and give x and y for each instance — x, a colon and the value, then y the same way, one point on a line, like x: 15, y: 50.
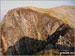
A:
x: 25, y: 31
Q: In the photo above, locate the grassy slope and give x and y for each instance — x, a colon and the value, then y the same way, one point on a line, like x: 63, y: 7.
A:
x: 52, y: 13
x: 58, y: 16
x: 55, y: 14
x: 65, y: 13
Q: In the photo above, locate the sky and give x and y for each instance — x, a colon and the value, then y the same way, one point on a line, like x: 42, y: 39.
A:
x: 8, y: 5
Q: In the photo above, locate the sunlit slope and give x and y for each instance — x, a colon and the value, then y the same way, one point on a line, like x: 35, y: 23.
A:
x: 39, y: 24
x: 64, y: 13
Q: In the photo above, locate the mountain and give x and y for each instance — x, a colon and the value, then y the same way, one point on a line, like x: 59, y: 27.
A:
x: 29, y: 30
x: 65, y: 13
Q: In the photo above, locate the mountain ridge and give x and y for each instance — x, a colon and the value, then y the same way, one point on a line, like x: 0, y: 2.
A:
x: 57, y: 12
x: 37, y: 25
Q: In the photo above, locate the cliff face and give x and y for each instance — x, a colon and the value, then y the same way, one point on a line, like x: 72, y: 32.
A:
x: 25, y: 30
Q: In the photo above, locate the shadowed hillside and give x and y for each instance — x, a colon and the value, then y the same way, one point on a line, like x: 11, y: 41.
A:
x: 31, y: 30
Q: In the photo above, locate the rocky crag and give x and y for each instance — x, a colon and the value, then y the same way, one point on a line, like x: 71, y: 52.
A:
x: 30, y: 30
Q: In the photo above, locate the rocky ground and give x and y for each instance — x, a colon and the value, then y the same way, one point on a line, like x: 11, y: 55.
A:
x: 37, y: 31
